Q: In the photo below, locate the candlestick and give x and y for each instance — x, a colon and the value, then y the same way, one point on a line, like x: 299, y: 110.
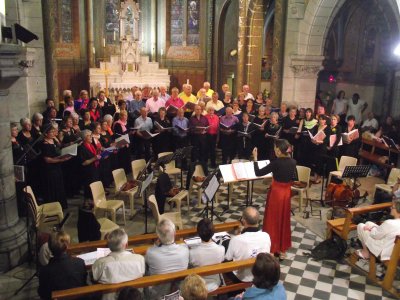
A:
x: 104, y: 42
x: 94, y: 50
x: 115, y: 36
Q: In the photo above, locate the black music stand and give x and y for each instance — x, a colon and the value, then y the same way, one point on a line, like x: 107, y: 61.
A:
x: 355, y: 172
x: 209, y: 194
x: 142, y: 192
x: 182, y: 154
x: 391, y: 145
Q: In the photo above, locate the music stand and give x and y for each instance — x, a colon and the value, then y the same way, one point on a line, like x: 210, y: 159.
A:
x: 391, y: 145
x: 181, y: 154
x: 210, y: 187
x: 355, y: 172
x: 142, y: 192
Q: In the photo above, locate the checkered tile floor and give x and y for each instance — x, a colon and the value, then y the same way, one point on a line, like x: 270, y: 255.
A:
x: 302, y: 277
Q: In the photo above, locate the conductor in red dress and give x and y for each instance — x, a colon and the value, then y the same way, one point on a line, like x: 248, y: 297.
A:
x: 277, y: 208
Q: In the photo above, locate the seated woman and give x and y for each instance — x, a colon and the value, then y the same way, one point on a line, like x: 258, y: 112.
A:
x: 266, y: 285
x: 379, y: 239
x: 63, y: 271
x: 193, y: 287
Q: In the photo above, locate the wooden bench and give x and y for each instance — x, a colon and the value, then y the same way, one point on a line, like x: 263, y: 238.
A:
x: 371, y: 156
x: 391, y: 269
x: 343, y: 226
x: 153, y: 280
x: 147, y: 238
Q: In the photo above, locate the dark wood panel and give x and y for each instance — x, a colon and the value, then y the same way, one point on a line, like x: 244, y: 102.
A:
x: 180, y: 76
x: 72, y: 75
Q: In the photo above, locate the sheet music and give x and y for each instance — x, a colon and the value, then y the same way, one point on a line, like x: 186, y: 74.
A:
x: 173, y: 296
x: 192, y: 241
x: 212, y: 188
x: 69, y: 150
x: 146, y: 183
x: 228, y: 173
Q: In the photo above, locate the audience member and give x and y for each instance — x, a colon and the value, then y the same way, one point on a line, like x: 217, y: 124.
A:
x: 63, y: 271
x: 370, y: 124
x: 207, y: 253
x: 248, y: 244
x: 193, y: 288
x: 165, y: 257
x: 130, y: 293
x: 119, y: 265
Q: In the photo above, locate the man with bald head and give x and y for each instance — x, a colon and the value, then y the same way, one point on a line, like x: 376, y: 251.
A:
x: 248, y: 244
x: 247, y: 94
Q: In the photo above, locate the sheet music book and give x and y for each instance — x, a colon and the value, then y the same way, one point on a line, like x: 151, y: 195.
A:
x: 275, y: 136
x: 200, y: 129
x: 228, y: 173
x: 71, y: 150
x: 161, y: 128
x: 332, y: 140
x: 19, y: 173
x: 172, y: 296
x: 90, y: 257
x: 148, y: 135
x: 107, y: 152
x: 181, y: 128
x: 172, y: 109
x: 261, y: 125
x: 354, y: 134
x: 319, y: 136
x: 136, y: 128
x: 190, y: 105
x: 219, y: 237
x: 245, y: 134
x: 211, y: 188
x: 146, y: 183
x: 192, y: 242
x: 122, y: 141
x: 251, y: 117
x: 226, y: 126
x: 293, y: 130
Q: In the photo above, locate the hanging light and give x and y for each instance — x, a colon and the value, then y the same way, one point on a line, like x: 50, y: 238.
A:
x: 396, y: 50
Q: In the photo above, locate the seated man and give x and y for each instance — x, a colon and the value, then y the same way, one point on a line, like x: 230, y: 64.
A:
x: 370, y: 124
x: 207, y: 253
x: 164, y: 189
x: 165, y: 257
x: 120, y: 265
x: 380, y: 239
x: 63, y: 271
x: 248, y: 244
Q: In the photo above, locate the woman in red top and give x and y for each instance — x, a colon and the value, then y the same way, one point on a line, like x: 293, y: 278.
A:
x: 212, y: 134
x: 95, y: 114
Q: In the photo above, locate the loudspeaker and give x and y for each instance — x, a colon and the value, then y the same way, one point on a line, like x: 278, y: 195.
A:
x: 21, y: 33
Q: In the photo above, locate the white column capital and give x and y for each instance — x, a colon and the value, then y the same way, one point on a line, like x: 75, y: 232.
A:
x: 306, y: 66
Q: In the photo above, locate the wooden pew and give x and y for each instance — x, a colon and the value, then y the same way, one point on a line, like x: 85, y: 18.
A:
x: 391, y: 268
x: 153, y: 280
x: 147, y: 238
x: 371, y: 156
x: 343, y: 226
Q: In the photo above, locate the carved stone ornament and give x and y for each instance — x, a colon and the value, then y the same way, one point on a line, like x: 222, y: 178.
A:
x: 306, y: 66
x: 305, y: 70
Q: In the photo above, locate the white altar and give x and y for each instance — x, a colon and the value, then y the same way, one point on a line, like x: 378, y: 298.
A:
x: 129, y: 68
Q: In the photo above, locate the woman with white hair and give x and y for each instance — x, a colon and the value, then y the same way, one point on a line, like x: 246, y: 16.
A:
x: 37, y: 123
x: 89, y: 159
x: 272, y: 130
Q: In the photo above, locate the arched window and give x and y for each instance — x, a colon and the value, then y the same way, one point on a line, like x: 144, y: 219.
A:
x: 65, y: 23
x: 185, y: 22
x: 112, y: 21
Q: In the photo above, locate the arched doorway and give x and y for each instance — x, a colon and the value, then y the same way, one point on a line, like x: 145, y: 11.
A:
x: 358, y: 53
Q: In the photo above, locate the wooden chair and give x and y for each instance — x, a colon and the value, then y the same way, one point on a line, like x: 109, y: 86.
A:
x: 47, y: 214
x: 120, y: 180
x: 170, y: 167
x: 344, y: 162
x: 303, y: 175
x: 102, y: 204
x: 137, y: 166
x: 175, y: 217
x: 392, y: 179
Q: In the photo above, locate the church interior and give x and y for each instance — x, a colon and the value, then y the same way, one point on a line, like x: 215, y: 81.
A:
x: 119, y: 114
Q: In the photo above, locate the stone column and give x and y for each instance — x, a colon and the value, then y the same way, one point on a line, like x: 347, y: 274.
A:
x: 305, y: 69
x: 242, y: 32
x: 49, y: 32
x: 278, y: 50
x: 89, y: 32
x: 210, y: 42
x: 13, y: 245
x: 255, y: 39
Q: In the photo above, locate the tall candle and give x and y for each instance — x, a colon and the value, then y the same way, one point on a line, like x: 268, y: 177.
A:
x: 187, y: 81
x: 94, y: 50
x: 115, y: 36
x: 104, y: 42
x: 162, y: 52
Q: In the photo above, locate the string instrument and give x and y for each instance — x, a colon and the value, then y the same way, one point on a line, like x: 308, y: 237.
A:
x: 341, y: 194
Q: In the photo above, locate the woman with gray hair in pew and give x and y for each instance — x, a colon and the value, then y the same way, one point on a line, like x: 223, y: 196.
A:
x: 379, y: 239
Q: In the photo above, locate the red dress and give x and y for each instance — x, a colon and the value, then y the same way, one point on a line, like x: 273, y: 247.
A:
x: 277, y: 209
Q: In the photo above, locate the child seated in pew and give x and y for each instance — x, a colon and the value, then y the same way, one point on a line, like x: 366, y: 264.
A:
x: 379, y: 239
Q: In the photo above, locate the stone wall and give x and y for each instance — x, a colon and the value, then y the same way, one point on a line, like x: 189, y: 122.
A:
x: 27, y: 95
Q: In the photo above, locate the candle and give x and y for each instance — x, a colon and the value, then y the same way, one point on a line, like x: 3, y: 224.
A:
x: 104, y: 42
x: 115, y: 36
x: 162, y: 52
x: 94, y: 50
x: 187, y: 81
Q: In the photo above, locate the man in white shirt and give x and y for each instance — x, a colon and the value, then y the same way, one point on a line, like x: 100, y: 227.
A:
x: 163, y: 93
x: 370, y: 124
x: 248, y: 244
x: 215, y: 103
x: 120, y: 265
x: 207, y: 253
x: 247, y: 94
x: 356, y: 107
x: 154, y: 103
x: 165, y: 257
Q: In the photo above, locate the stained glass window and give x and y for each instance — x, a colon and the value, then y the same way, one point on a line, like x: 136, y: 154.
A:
x: 66, y: 29
x: 112, y: 21
x: 177, y: 9
x: 193, y: 9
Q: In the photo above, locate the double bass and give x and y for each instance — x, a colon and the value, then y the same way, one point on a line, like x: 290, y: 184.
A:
x: 342, y: 195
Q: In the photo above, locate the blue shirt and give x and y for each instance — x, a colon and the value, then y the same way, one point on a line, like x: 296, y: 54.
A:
x: 254, y: 293
x: 183, y: 123
x: 134, y: 105
x: 146, y: 124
